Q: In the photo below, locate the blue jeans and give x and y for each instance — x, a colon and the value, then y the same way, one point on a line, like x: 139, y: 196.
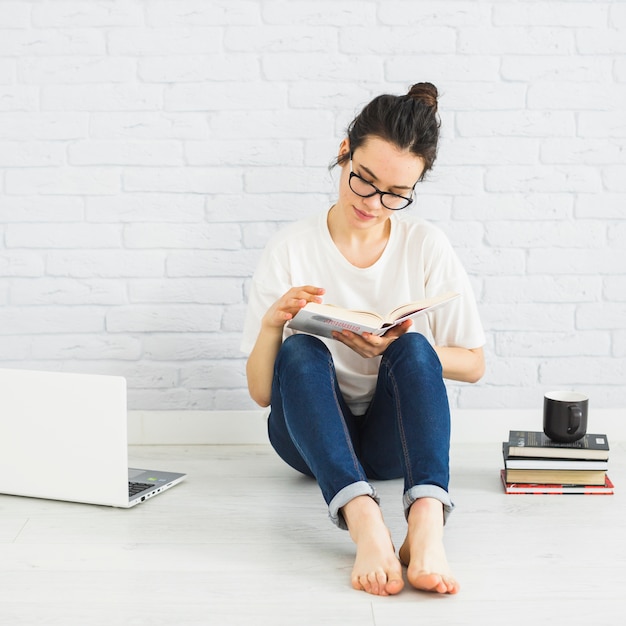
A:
x: 405, y: 432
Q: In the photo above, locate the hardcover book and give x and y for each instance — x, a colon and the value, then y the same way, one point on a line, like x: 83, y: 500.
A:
x: 545, y: 463
x: 538, y: 489
x: 323, y: 319
x: 536, y: 444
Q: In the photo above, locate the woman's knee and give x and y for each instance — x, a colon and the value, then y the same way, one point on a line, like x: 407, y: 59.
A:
x: 413, y: 348
x: 301, y: 350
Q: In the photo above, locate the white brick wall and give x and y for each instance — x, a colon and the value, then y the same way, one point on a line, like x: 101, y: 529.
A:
x: 148, y: 149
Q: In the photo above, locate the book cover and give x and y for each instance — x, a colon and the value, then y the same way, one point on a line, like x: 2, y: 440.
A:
x: 324, y: 319
x: 556, y: 477
x: 536, y: 444
x: 539, y: 489
x: 546, y: 463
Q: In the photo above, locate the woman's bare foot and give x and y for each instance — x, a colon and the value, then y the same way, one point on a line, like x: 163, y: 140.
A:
x: 377, y: 569
x: 423, y: 552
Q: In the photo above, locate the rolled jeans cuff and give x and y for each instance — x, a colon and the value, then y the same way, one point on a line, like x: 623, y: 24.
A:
x: 428, y: 491
x: 360, y: 488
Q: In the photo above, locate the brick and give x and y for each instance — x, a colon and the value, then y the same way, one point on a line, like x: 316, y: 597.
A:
x: 404, y: 40
x: 67, y: 291
x: 186, y: 290
x: 489, y: 151
x: 47, y: 42
x: 615, y: 288
x: 588, y: 151
x: 514, y: 206
x: 182, y: 180
x: 75, y: 69
x: 145, y: 207
x: 561, y: 234
x: 17, y: 97
x: 551, y: 179
x: 105, y: 264
x: 31, y: 154
x: 271, y: 207
x: 202, y: 13
x: 151, y: 126
x: 183, y: 236
x: 574, y: 262
x: 41, y: 209
x: 62, y: 235
x: 516, y: 40
x: 18, y: 263
x: 272, y: 124
x: 516, y: 124
x: 325, y: 13
x: 198, y: 68
x: 199, y: 346
x: 305, y: 66
x: 576, y: 96
x: 218, y: 263
x: 86, y: 14
x: 165, y: 318
x: 163, y: 41
x: 581, y: 371
x: 601, y: 124
x: 277, y: 39
x: 86, y: 347
x: 541, y: 289
x: 64, y: 181
x: 287, y: 179
x: 222, y: 374
x: 614, y: 177
x: 241, y: 152
x: 604, y: 205
x: 441, y: 13
x: 553, y: 318
x: 109, y: 97
x: 607, y: 315
x: 448, y: 68
x: 125, y: 153
x: 15, y: 15
x: 43, y: 126
x: 573, y: 14
x: 50, y: 320
x: 556, y: 69
x: 224, y: 96
x: 546, y: 344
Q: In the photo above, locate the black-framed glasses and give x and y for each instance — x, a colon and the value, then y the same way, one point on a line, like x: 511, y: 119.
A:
x: 365, y: 189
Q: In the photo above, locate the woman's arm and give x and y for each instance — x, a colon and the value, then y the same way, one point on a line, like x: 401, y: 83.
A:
x: 260, y: 365
x: 463, y: 364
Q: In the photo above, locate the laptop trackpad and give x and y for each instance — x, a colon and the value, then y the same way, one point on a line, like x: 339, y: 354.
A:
x: 134, y: 473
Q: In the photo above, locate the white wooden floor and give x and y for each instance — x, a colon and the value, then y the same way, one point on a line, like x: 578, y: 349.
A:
x: 244, y: 540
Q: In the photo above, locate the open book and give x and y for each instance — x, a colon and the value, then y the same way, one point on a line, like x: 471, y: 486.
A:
x: 323, y: 319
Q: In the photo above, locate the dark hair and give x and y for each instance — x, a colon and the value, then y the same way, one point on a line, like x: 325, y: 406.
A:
x: 410, y: 122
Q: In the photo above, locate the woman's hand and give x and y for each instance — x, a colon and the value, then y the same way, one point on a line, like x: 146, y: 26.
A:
x: 368, y: 345
x: 286, y: 307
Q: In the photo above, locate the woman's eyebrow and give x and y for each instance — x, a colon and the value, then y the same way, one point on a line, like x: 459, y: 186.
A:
x: 374, y: 177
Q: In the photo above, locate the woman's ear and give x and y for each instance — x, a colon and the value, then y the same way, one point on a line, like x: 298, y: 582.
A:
x: 344, y: 149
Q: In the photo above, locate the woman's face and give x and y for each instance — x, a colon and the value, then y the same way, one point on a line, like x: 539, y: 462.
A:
x: 381, y: 163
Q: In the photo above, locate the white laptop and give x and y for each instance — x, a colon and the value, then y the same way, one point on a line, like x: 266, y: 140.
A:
x: 64, y: 437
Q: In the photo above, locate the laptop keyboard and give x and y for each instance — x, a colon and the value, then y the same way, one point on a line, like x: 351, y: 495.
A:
x: 135, y: 488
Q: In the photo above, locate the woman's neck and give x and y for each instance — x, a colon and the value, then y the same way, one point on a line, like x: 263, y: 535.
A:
x: 362, y: 248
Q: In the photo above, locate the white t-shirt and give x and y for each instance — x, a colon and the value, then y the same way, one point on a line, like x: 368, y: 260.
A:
x: 418, y: 262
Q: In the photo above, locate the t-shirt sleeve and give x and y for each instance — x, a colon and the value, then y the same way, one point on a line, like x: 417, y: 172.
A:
x: 458, y: 322
x: 270, y: 281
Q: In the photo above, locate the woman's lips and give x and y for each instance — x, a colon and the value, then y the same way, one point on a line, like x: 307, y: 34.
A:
x: 363, y: 216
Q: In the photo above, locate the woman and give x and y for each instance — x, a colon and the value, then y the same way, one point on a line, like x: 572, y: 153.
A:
x: 354, y: 408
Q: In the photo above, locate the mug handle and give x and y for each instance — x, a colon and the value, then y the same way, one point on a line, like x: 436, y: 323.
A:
x: 574, y: 419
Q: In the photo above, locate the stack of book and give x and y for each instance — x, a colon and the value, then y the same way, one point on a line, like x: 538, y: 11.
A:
x: 533, y: 463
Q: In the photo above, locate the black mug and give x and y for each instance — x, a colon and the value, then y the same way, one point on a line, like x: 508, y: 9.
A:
x: 565, y: 415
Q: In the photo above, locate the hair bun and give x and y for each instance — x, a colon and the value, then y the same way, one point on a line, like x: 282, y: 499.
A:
x: 426, y: 93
